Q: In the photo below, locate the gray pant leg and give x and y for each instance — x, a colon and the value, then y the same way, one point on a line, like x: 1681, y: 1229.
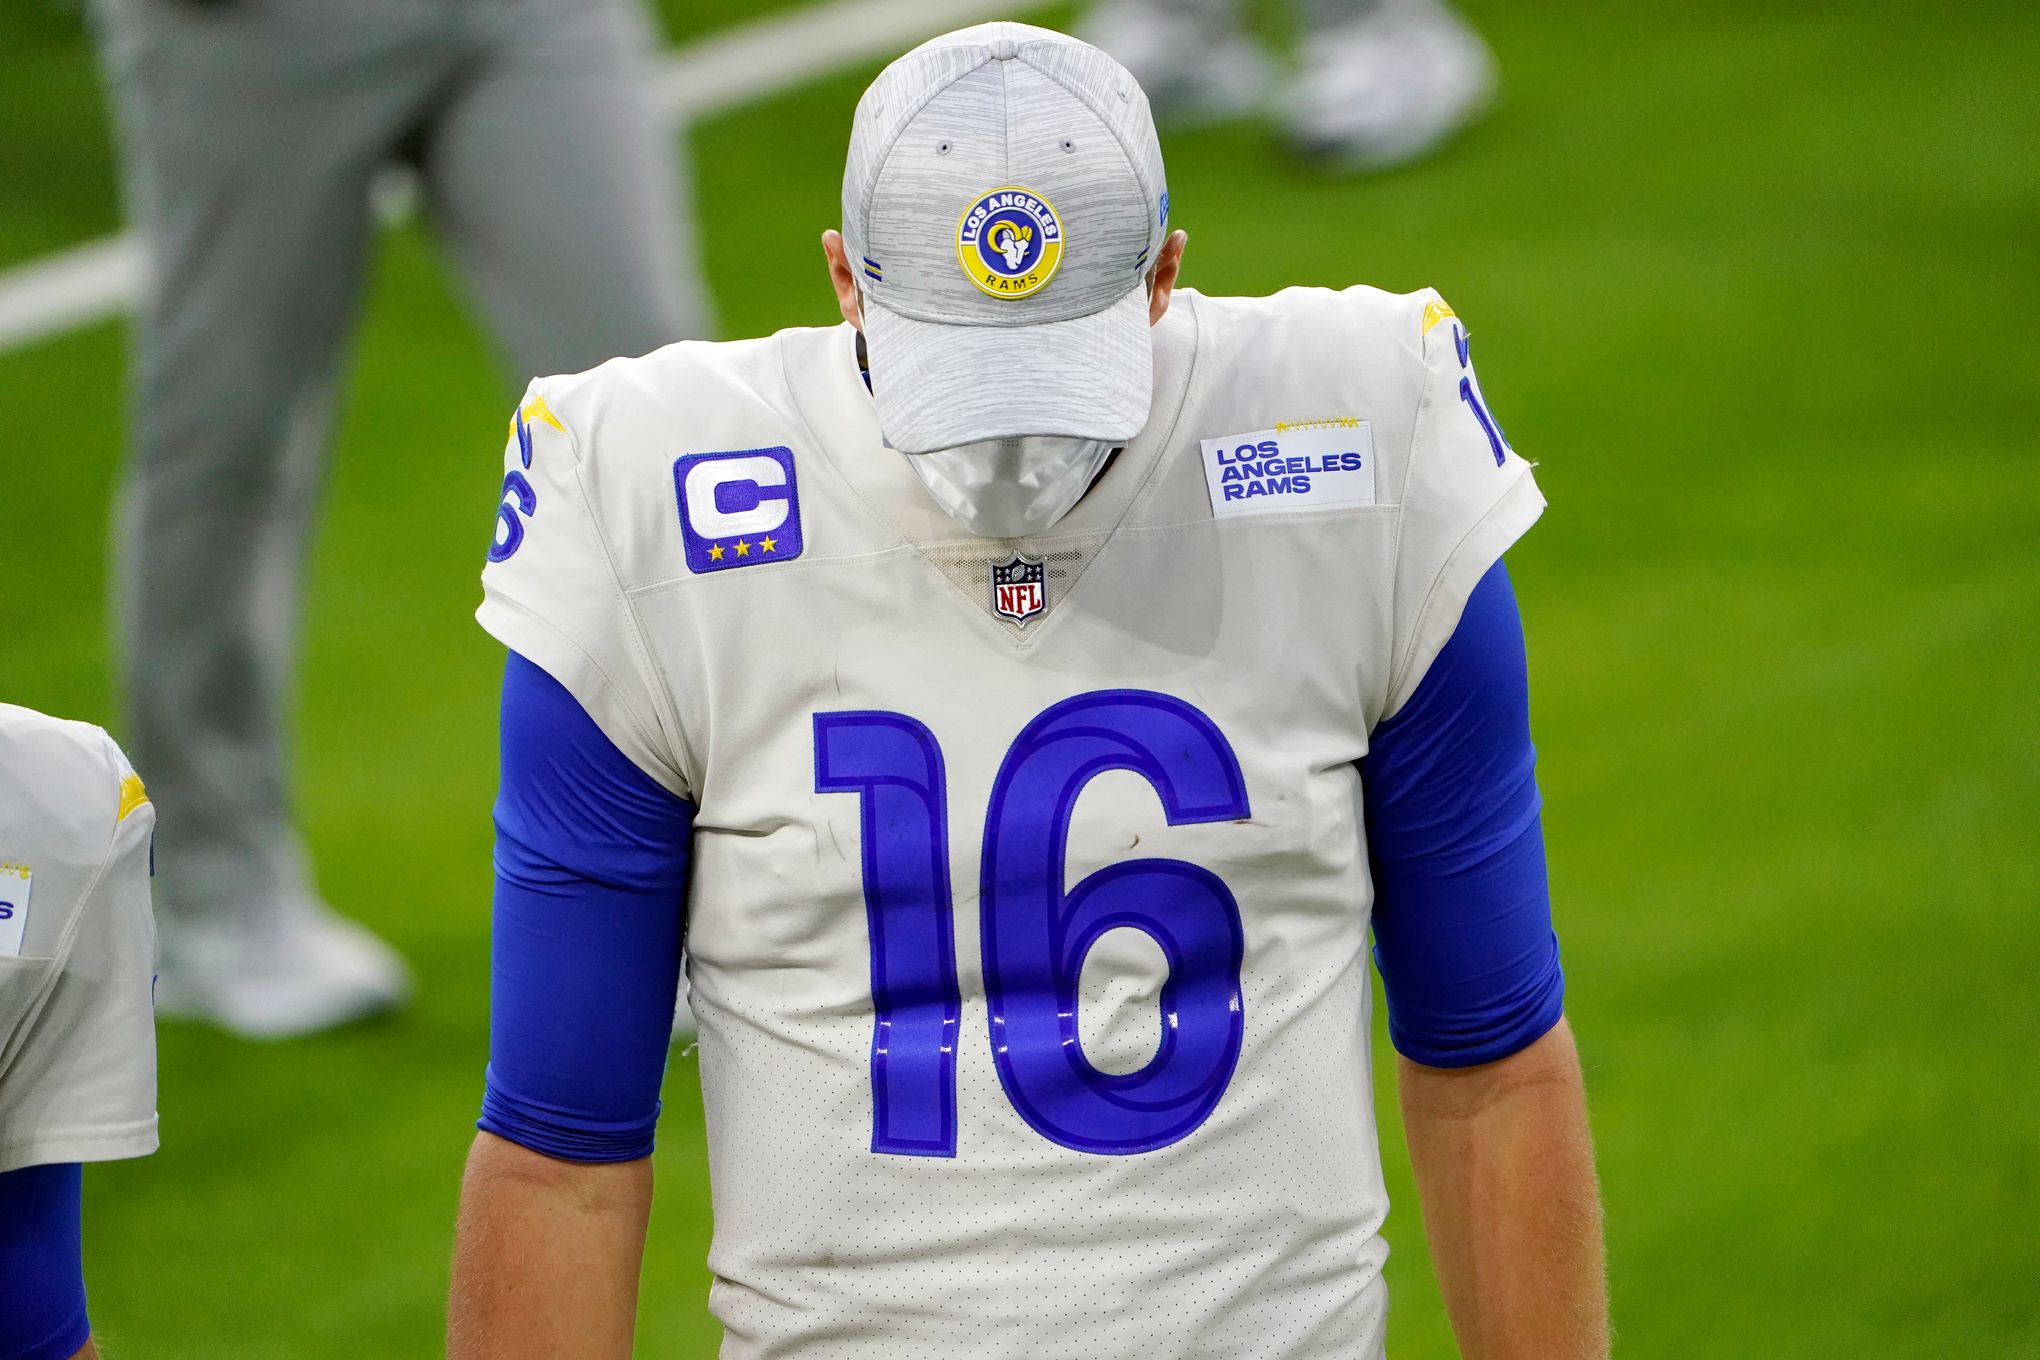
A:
x: 559, y: 188
x: 1319, y: 15
x: 1218, y: 14
x: 250, y: 133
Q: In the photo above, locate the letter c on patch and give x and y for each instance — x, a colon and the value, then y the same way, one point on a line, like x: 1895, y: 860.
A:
x: 760, y: 480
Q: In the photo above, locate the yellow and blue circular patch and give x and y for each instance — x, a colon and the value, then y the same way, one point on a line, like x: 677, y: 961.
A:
x: 1009, y: 242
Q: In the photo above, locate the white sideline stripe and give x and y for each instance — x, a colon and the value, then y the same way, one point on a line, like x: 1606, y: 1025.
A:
x: 779, y: 53
x: 102, y: 278
x: 76, y: 287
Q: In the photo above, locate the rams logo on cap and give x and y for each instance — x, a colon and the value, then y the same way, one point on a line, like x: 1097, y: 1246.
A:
x: 1009, y: 242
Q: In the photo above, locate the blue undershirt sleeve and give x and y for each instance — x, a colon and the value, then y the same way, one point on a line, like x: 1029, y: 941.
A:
x: 591, y: 878
x: 42, y: 1276
x: 1462, y: 910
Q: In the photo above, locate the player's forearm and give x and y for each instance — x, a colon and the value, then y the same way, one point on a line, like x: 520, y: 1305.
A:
x: 546, y: 1256
x: 1505, y: 1167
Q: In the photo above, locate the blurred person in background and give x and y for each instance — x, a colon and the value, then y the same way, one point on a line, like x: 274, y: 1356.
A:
x: 1377, y: 82
x: 77, y: 1035
x: 252, y: 133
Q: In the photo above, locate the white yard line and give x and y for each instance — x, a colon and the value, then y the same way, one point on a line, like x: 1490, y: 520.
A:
x: 75, y: 287
x: 102, y: 278
x: 777, y: 54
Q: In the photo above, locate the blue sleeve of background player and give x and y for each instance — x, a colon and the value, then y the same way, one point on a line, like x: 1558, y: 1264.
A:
x: 591, y: 877
x: 1462, y: 911
x: 42, y: 1277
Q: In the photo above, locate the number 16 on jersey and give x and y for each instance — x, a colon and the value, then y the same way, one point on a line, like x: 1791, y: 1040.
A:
x: 1035, y: 935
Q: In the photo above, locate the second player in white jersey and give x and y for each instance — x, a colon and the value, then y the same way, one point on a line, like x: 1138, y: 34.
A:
x: 77, y: 1027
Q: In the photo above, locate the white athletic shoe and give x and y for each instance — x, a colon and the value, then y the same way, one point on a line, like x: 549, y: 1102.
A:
x: 1193, y: 70
x: 296, y: 971
x: 1388, y: 87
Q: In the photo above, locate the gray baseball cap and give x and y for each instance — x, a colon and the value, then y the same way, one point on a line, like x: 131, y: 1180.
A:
x: 1002, y: 203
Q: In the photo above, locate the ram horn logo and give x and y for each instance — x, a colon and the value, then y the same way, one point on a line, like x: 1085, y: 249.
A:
x: 1011, y: 242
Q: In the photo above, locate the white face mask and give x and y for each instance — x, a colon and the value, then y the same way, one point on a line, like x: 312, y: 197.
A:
x: 1011, y: 488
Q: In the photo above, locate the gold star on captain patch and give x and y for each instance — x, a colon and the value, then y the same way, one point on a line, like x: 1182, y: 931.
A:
x: 715, y: 552
x: 768, y: 544
x: 743, y: 548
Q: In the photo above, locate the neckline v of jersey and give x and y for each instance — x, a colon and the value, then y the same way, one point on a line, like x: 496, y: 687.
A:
x: 880, y: 478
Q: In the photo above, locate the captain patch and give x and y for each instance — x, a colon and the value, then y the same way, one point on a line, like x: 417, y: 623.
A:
x: 739, y: 509
x: 1318, y: 465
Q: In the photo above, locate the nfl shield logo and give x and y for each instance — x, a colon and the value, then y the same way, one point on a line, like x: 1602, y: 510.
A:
x: 1019, y: 589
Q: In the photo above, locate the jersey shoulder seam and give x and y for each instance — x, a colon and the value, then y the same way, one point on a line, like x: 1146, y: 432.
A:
x: 644, y: 731
x: 1399, y: 669
x: 646, y: 664
x: 66, y: 940
x: 1419, y: 299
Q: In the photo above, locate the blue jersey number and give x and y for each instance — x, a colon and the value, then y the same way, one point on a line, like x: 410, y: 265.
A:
x: 1498, y: 443
x: 518, y: 501
x: 894, y: 765
x: 1035, y: 935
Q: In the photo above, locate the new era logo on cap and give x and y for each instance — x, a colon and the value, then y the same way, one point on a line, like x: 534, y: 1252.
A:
x: 738, y: 509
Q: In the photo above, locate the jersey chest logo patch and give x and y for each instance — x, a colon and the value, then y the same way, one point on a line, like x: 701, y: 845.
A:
x: 738, y: 509
x: 14, y: 884
x: 1311, y: 465
x: 1019, y: 588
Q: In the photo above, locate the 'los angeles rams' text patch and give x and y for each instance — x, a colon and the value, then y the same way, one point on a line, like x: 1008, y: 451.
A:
x: 1317, y: 465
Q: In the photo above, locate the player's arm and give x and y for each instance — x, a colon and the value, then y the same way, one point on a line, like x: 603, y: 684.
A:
x: 1505, y: 1168
x: 546, y: 1259
x: 42, y: 1276
x: 591, y: 860
x: 1493, y: 1103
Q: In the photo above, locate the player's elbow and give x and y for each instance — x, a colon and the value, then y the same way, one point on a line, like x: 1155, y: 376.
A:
x: 502, y: 1159
x: 1551, y: 1060
x: 497, y: 1166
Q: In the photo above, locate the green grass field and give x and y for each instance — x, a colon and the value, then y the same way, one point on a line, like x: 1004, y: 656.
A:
x: 1755, y: 282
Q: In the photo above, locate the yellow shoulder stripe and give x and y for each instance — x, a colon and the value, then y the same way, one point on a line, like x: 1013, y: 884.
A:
x: 132, y: 796
x: 535, y: 409
x: 1436, y: 311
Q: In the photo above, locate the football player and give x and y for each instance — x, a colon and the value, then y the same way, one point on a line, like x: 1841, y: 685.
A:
x: 1032, y: 689
x: 77, y: 1031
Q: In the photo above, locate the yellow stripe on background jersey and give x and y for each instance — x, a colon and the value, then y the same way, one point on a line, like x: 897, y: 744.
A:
x: 132, y: 796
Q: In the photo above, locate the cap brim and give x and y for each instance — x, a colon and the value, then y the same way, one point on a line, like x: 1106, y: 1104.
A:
x: 939, y: 386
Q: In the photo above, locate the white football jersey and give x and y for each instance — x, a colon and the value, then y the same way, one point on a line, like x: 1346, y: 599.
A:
x: 1028, y: 921
x: 77, y: 947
